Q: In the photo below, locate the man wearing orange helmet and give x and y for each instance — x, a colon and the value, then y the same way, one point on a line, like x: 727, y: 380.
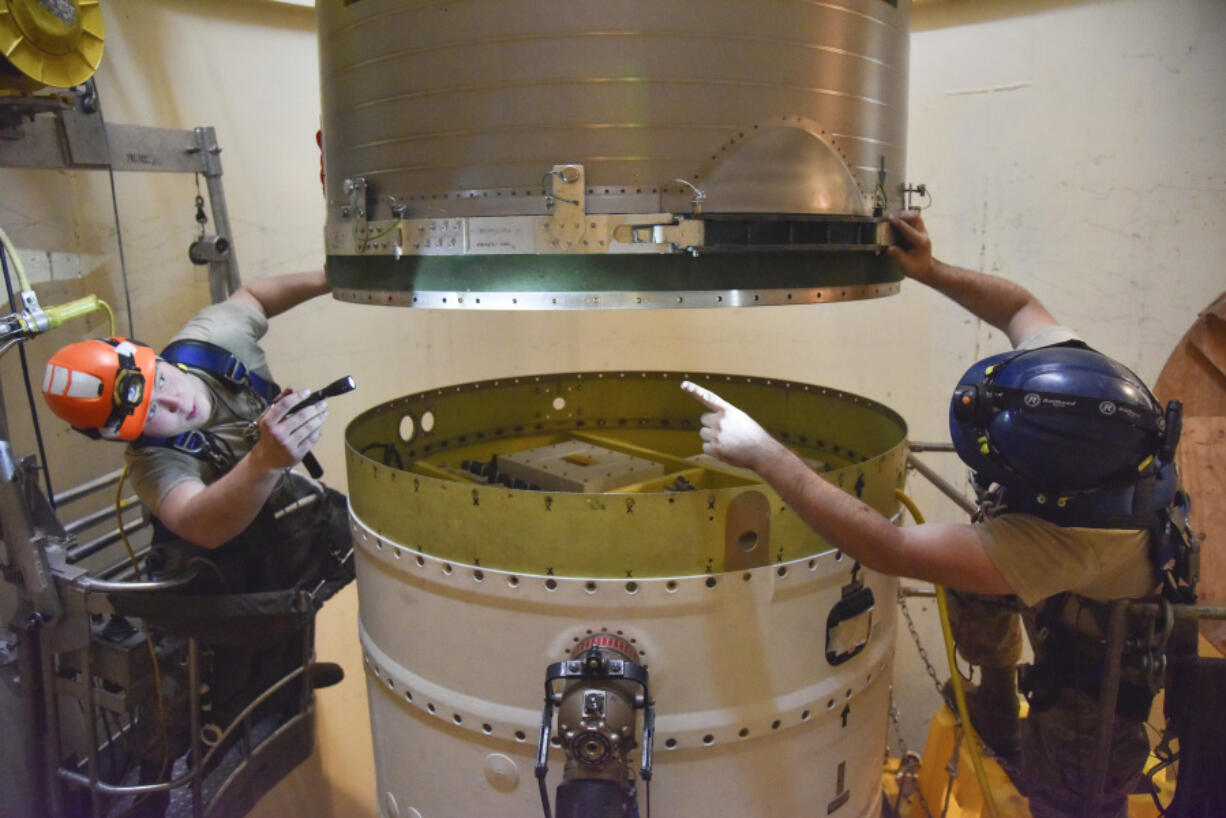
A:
x: 211, y: 446
x: 118, y: 389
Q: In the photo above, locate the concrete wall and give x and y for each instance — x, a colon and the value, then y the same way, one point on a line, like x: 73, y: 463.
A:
x: 1078, y: 148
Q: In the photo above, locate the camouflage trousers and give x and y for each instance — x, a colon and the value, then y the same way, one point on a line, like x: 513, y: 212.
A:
x: 1058, y: 743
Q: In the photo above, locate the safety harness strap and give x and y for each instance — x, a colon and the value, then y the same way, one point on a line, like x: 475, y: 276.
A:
x: 231, y: 372
x: 1066, y: 657
x: 1175, y: 551
x: 197, y: 443
x: 222, y: 365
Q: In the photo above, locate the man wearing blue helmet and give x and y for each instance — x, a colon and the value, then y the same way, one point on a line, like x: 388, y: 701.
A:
x: 1072, y: 463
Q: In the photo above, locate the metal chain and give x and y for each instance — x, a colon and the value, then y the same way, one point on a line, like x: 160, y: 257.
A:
x: 952, y: 766
x: 1013, y: 772
x: 201, y: 218
x: 923, y: 654
x: 902, y: 745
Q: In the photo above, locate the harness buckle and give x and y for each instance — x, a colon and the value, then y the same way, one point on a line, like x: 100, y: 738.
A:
x: 236, y: 372
x: 192, y: 442
x: 199, y: 443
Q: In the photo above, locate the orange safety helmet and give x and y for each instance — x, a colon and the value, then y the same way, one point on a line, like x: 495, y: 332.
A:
x: 103, y: 387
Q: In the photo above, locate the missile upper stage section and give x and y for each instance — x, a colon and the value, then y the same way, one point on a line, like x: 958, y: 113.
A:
x: 571, y: 154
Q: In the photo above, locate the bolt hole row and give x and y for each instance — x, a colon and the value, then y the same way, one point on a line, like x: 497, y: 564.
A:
x: 591, y: 587
x: 743, y: 733
x: 669, y: 743
x: 456, y: 718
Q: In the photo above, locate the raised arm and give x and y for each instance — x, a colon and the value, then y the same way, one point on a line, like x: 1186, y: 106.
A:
x: 1005, y: 305
x: 214, y: 514
x: 943, y: 553
x: 277, y: 294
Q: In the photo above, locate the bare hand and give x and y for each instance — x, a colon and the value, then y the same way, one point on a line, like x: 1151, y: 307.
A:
x: 285, y: 439
x: 728, y: 433
x: 913, y: 253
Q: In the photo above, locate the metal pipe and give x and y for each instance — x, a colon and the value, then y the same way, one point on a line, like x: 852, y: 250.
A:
x: 942, y: 484
x: 1108, y: 695
x: 91, y: 730
x: 220, y: 791
x: 88, y: 487
x: 24, y: 545
x: 51, y: 747
x: 28, y: 666
x: 98, y: 586
x: 93, y: 518
x: 109, y: 789
x: 1184, y: 611
x: 193, y: 682
x: 308, y: 652
x: 92, y: 547
x: 917, y: 446
x: 210, y: 155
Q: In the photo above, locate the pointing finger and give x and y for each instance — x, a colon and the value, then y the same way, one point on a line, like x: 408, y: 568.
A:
x: 704, y: 396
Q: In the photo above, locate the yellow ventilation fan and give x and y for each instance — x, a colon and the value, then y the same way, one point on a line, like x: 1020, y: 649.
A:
x: 56, y: 43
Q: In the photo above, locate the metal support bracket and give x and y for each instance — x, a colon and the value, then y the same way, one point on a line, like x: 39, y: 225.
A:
x: 567, y: 203
x: 75, y: 137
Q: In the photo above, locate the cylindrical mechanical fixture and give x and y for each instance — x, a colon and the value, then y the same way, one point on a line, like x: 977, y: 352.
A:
x: 597, y: 715
x: 566, y: 154
x: 770, y: 663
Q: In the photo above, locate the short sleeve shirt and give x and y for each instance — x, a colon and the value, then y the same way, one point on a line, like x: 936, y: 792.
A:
x: 1049, y: 336
x: 1039, y: 559
x: 237, y: 327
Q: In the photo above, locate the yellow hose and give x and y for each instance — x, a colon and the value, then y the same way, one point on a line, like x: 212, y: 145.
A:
x: 954, y: 676
x: 63, y: 312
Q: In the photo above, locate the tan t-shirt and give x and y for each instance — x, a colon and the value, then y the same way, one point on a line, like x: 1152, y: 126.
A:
x: 237, y: 327
x: 1039, y: 559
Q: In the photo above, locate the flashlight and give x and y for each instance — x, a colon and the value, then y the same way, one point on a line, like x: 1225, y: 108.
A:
x: 338, y: 387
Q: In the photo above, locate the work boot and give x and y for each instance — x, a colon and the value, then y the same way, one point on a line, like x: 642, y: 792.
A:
x: 993, y: 707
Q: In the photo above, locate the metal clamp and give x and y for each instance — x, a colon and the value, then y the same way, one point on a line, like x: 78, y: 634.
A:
x: 566, y: 198
x: 355, y: 190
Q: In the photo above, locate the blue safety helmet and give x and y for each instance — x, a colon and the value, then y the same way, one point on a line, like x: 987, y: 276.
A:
x: 1055, y: 420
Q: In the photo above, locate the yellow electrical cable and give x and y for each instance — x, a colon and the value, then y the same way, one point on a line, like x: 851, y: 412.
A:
x: 119, y: 520
x: 110, y: 313
x: 61, y: 313
x: 362, y: 244
x: 17, y: 265
x: 78, y: 307
x: 954, y: 676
